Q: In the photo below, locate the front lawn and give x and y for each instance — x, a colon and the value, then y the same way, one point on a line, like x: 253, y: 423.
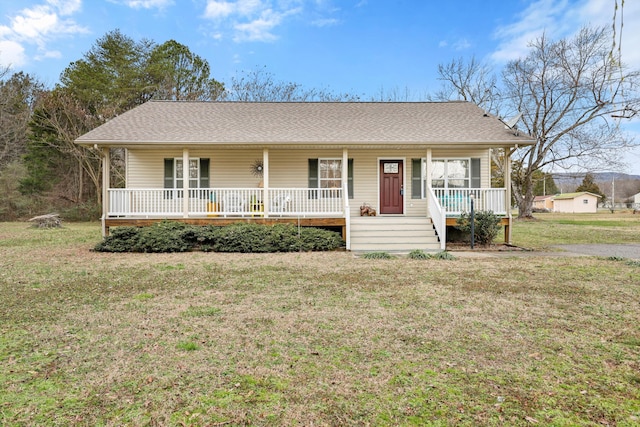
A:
x: 208, y: 339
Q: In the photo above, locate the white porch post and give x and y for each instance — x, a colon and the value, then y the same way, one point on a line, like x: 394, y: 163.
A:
x: 185, y: 182
x: 507, y: 184
x: 428, y: 174
x: 265, y: 182
x: 106, y: 183
x: 345, y: 195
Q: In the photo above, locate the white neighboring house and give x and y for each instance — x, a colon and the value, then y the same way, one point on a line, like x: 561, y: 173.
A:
x: 636, y: 201
x: 582, y: 202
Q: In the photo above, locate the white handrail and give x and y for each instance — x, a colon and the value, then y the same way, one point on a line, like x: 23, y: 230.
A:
x: 347, y: 215
x: 438, y: 215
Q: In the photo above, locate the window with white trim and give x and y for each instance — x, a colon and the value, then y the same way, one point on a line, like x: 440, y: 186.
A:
x: 194, y: 172
x: 451, y: 173
x: 330, y: 173
x: 445, y: 173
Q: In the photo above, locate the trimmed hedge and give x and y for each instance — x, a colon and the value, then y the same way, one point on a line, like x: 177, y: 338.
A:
x: 169, y: 236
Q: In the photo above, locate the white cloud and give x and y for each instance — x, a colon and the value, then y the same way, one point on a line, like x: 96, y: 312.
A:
x: 146, y: 4
x: 258, y: 29
x: 219, y: 9
x: 462, y: 44
x: 66, y: 7
x: 37, y: 25
x: 11, y: 54
x: 563, y: 18
x: 327, y: 22
x: 250, y: 20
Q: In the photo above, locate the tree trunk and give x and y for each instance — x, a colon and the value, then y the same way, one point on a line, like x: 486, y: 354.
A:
x: 525, y: 201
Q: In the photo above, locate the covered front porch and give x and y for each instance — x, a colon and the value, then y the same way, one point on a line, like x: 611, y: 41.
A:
x: 312, y: 207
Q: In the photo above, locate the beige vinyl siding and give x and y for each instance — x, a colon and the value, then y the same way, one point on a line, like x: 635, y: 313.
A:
x: 145, y: 168
x: 289, y: 169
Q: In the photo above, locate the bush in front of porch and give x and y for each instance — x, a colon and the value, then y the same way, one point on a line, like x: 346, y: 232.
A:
x: 168, y: 236
x: 486, y: 226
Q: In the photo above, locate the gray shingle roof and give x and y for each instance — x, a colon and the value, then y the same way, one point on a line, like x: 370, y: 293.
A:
x: 168, y: 122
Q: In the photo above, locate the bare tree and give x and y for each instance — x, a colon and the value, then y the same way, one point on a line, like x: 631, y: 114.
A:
x: 471, y: 81
x: 572, y: 95
x: 259, y: 85
x: 18, y: 95
x: 59, y: 119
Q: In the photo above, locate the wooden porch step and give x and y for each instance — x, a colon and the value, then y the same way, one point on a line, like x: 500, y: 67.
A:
x: 393, y: 234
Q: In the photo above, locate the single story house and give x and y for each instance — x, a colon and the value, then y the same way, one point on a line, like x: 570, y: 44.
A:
x: 581, y: 202
x: 543, y: 202
x: 417, y: 164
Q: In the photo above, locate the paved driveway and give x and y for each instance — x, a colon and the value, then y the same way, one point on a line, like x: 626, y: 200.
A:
x: 629, y: 251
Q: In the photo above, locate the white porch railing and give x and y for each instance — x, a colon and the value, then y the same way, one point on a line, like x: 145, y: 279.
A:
x: 158, y: 202
x: 438, y: 216
x: 457, y: 200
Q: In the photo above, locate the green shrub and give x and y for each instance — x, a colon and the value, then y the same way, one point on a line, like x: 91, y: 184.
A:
x: 121, y: 239
x: 418, y: 254
x: 317, y: 239
x: 486, y: 226
x: 165, y: 236
x: 168, y: 236
x: 376, y: 255
x: 443, y: 255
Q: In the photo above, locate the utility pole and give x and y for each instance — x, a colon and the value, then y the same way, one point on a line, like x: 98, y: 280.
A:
x: 613, y: 192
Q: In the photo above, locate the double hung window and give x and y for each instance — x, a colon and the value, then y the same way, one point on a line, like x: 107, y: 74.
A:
x: 325, y: 174
x: 198, y: 176
x: 445, y: 173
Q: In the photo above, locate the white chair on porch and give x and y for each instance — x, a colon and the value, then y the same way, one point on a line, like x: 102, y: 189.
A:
x: 233, y: 203
x: 280, y: 203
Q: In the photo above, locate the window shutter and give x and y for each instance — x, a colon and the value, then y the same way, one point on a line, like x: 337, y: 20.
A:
x: 168, y: 173
x: 350, y: 178
x: 313, y: 178
x: 204, y: 177
x: 168, y: 177
x: 204, y: 173
x: 475, y: 173
x: 416, y: 178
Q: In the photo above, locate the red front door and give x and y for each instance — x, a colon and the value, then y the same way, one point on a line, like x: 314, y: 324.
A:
x: 391, y: 191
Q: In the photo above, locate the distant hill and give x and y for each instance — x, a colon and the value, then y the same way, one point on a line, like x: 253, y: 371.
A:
x: 626, y: 185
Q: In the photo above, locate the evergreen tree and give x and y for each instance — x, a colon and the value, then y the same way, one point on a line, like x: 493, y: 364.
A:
x: 589, y: 185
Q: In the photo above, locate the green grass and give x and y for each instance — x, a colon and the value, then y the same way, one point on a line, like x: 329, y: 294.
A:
x: 201, y: 339
x: 549, y: 229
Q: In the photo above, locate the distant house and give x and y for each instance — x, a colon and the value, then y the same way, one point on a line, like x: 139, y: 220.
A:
x: 583, y: 202
x: 636, y: 200
x: 543, y: 203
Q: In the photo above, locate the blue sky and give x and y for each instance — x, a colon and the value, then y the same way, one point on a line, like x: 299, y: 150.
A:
x: 361, y: 47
